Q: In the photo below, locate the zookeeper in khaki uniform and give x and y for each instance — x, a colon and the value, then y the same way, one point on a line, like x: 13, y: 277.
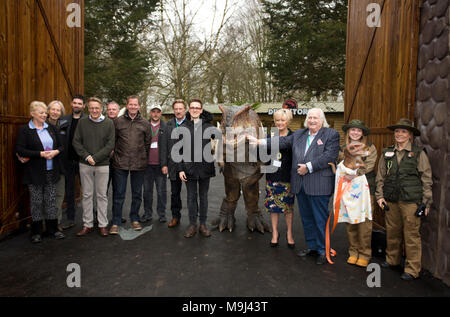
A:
x: 403, y: 183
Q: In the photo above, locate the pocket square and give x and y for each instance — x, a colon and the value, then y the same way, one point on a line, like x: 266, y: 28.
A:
x: 319, y: 142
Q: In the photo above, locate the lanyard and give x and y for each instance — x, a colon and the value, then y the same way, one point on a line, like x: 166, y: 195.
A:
x: 176, y: 123
x: 389, y: 166
x: 154, y: 134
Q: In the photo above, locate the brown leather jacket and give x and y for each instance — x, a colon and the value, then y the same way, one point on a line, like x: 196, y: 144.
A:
x: 133, y: 140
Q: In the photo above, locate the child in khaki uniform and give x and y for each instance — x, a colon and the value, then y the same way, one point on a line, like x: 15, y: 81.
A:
x: 404, y: 182
x: 360, y: 234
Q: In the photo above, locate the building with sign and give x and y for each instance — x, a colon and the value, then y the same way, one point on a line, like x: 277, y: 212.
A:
x: 334, y: 113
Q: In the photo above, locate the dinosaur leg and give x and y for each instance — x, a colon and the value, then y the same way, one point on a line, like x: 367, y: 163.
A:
x: 255, y: 219
x: 226, y: 219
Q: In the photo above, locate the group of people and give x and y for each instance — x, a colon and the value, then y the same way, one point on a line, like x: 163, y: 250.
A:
x: 402, y: 182
x: 54, y: 148
x: 104, y: 150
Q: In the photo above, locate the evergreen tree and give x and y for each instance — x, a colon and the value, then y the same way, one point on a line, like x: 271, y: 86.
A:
x: 307, y: 43
x: 117, y: 65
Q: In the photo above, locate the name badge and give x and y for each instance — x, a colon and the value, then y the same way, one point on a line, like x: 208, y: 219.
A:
x: 277, y: 163
x: 154, y: 145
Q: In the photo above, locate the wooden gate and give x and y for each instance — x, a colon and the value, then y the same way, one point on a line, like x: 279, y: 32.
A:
x: 380, y: 76
x: 41, y: 58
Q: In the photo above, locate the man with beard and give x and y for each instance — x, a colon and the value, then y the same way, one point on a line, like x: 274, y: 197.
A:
x: 68, y: 125
x: 153, y: 172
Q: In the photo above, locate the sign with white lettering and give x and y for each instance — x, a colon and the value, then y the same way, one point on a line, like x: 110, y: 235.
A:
x: 295, y: 112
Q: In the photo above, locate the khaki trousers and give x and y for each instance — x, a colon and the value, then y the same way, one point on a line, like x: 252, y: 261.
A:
x: 360, y: 239
x: 402, y: 231
x: 94, y: 177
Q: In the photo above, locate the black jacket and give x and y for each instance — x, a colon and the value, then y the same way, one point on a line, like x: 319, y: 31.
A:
x: 165, y: 147
x: 283, y: 173
x: 65, y: 124
x: 63, y: 139
x: 202, y: 168
x: 29, y: 145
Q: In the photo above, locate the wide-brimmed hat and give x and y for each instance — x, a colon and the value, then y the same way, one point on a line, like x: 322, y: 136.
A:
x: 356, y: 124
x: 407, y: 124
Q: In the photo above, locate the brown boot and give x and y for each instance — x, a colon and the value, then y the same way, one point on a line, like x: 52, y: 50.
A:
x: 174, y: 222
x: 191, y: 231
x: 204, y: 231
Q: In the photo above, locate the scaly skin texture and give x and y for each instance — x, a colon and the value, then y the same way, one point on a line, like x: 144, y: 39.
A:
x: 240, y: 176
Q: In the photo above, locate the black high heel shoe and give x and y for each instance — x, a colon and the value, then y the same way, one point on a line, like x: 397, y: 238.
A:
x: 290, y: 245
x: 273, y: 245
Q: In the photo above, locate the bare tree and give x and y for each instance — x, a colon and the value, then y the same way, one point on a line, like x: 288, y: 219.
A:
x: 238, y: 66
x: 184, y: 54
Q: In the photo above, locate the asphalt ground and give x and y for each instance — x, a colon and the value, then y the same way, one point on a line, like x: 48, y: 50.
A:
x: 162, y: 263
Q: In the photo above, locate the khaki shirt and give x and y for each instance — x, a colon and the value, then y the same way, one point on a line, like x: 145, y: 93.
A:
x: 369, y: 162
x: 423, y: 167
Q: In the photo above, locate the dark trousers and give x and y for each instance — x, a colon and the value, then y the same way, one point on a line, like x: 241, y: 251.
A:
x: 154, y: 175
x: 197, y: 188
x: 72, y: 171
x: 120, y: 180
x: 111, y: 175
x: 314, y: 213
x: 175, y: 197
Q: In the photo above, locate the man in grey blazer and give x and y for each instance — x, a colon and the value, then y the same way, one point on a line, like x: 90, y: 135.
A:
x: 312, y: 179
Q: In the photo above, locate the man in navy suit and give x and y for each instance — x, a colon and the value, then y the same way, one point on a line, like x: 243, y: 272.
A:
x: 312, y: 179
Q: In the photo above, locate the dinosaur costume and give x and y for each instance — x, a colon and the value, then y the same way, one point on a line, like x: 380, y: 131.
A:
x: 242, y: 171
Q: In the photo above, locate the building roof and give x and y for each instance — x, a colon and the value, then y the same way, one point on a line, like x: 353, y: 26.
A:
x: 267, y: 108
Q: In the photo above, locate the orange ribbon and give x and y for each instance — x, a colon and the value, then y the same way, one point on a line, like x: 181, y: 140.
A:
x: 337, y: 205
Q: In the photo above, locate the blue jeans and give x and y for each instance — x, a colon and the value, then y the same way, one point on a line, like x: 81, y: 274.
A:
x: 153, y: 175
x: 120, y: 188
x: 314, y: 213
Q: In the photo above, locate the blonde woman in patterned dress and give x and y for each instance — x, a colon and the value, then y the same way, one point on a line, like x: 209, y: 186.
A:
x: 279, y: 199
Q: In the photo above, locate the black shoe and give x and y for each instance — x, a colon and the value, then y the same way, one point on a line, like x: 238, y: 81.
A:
x: 145, y: 219
x: 36, y: 238
x: 386, y: 265
x: 321, y: 259
x: 290, y: 245
x: 273, y: 245
x: 307, y: 252
x: 407, y: 277
x: 124, y: 220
